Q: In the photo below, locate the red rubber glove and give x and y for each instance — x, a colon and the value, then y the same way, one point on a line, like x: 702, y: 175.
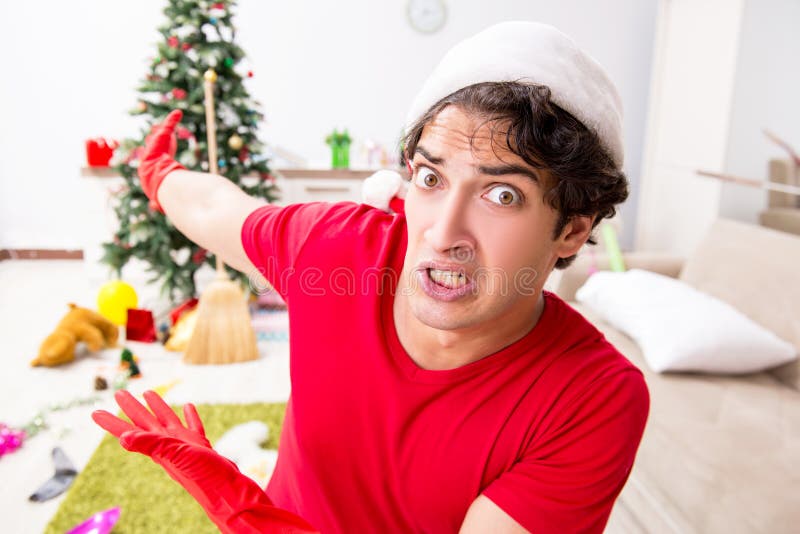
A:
x: 158, y: 157
x: 231, y: 500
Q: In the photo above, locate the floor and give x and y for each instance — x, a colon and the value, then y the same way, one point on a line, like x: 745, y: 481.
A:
x: 33, y: 298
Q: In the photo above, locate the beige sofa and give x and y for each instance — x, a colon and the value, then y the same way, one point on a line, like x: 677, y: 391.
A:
x: 720, y: 454
x: 783, y: 209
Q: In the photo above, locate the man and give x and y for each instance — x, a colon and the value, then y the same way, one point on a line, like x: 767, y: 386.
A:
x: 435, y: 386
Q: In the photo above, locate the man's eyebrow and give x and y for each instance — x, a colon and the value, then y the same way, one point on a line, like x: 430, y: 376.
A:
x: 498, y: 170
x: 502, y: 170
x: 427, y: 155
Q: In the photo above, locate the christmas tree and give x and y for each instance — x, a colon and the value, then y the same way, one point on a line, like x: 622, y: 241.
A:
x: 198, y: 35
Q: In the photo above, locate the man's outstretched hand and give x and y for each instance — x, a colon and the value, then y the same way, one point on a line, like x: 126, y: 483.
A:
x: 231, y: 500
x: 158, y: 158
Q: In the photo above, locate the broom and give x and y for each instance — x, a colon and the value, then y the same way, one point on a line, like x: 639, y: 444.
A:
x: 223, y: 332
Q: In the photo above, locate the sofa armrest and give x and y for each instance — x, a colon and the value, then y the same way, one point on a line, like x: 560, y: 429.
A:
x: 782, y: 219
x: 574, y: 276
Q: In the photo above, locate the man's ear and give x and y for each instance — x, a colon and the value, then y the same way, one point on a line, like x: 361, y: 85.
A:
x: 574, y: 235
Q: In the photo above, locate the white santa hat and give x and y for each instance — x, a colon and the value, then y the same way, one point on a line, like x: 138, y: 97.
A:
x: 534, y: 53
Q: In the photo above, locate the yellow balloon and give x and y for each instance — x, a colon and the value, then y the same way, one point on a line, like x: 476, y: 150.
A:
x: 114, y: 299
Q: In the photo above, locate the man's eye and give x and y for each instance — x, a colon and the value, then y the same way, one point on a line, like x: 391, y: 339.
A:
x: 425, y: 178
x: 504, y: 195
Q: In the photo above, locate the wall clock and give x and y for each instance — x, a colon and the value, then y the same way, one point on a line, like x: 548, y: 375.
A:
x: 426, y: 16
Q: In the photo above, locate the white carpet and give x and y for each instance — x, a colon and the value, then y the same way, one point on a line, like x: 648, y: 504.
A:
x: 33, y: 298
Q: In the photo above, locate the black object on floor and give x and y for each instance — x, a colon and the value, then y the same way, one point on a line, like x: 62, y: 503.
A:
x: 60, y: 481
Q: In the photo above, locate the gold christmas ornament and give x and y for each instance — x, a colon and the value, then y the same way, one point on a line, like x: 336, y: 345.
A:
x: 141, y: 106
x: 235, y: 142
x: 210, y: 75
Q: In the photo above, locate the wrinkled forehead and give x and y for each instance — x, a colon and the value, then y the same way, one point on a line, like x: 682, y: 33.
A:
x: 455, y: 130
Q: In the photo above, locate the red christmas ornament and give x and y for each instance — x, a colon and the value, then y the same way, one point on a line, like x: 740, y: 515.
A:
x: 134, y: 154
x: 199, y: 256
x: 243, y: 153
x: 118, y: 242
x: 183, y: 132
x: 249, y: 73
x: 185, y: 46
x: 173, y: 42
x: 219, y: 5
x: 178, y: 93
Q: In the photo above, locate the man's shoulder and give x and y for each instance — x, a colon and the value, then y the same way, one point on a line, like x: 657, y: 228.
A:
x: 353, y: 234
x: 586, y: 359
x: 351, y: 218
x: 582, y: 338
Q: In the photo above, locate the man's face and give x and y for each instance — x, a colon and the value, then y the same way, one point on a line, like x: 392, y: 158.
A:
x: 480, y: 236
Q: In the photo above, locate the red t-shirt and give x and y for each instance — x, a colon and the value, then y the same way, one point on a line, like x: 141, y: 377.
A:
x: 547, y: 428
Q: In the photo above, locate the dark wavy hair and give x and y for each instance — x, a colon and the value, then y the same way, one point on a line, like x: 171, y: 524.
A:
x: 583, y: 179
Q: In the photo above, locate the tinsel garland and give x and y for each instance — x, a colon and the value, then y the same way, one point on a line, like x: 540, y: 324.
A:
x: 12, y: 439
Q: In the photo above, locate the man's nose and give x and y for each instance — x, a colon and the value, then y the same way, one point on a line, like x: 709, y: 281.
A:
x: 450, y: 230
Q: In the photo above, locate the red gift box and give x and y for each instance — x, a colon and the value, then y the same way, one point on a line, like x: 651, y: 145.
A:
x: 99, y: 151
x: 140, y: 326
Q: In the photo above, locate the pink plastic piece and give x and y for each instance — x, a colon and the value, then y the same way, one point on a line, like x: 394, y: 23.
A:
x: 99, y: 523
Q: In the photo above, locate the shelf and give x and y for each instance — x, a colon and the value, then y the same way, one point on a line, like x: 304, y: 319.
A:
x: 289, y: 173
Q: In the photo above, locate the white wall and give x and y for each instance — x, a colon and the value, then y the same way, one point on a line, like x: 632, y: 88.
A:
x: 688, y: 121
x: 723, y: 71
x: 766, y: 95
x: 70, y: 69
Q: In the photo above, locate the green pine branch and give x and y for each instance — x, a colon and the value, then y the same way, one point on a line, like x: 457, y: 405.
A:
x: 198, y: 35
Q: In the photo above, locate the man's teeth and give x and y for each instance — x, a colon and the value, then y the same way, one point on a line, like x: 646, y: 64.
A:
x: 447, y: 278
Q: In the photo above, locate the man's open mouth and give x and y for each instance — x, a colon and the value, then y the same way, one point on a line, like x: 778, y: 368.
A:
x: 448, y: 279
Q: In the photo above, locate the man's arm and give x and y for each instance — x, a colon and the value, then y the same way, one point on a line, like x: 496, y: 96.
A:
x: 210, y: 210
x: 569, y: 476
x: 234, y: 502
x: 485, y: 516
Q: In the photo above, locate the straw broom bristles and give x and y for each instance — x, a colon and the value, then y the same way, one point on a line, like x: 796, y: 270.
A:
x: 224, y: 332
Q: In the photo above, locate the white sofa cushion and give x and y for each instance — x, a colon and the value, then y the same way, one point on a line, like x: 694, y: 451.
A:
x: 754, y: 269
x: 680, y: 328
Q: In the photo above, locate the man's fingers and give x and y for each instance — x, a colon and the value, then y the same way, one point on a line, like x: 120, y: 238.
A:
x: 193, y: 420
x: 164, y: 129
x: 163, y: 412
x: 173, y: 118
x: 136, y: 412
x: 111, y: 423
x: 142, y: 442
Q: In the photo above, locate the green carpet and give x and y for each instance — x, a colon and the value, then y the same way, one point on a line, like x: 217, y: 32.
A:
x: 150, y: 501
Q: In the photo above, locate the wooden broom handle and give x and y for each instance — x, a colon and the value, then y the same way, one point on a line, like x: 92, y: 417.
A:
x: 211, y: 136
